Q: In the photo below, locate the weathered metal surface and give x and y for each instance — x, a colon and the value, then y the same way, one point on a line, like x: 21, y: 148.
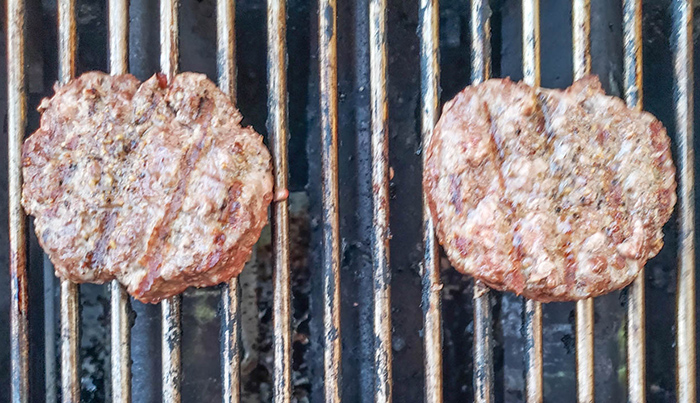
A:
x: 483, y: 338
x: 171, y: 326
x: 636, y: 336
x: 70, y: 308
x: 328, y: 70
x: 380, y: 201
x: 431, y: 283
x: 120, y: 307
x: 532, y: 320
x: 278, y: 130
x: 230, y: 301
x: 585, y: 382
x: 16, y: 125
x: 682, y: 44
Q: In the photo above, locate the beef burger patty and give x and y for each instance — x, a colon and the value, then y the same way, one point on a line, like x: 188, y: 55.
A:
x: 154, y: 184
x: 552, y: 194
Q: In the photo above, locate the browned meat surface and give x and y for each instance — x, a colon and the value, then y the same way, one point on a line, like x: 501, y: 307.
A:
x: 154, y: 184
x: 555, y: 195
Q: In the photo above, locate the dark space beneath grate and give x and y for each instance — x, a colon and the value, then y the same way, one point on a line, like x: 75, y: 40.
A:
x: 200, y: 310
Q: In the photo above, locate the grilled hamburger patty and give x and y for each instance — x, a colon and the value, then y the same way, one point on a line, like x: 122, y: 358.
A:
x: 154, y: 184
x: 553, y: 194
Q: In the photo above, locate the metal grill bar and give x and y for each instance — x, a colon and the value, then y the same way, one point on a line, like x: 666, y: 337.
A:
x: 171, y: 336
x: 230, y: 330
x: 581, y: 15
x: 70, y: 314
x: 121, y: 343
x: 380, y: 202
x: 534, y: 388
x: 169, y: 37
x: 70, y: 336
x: 120, y: 307
x: 328, y: 62
x: 636, y: 340
x: 50, y: 378
x: 584, y: 309
x: 226, y: 46
x: 278, y: 130
x: 682, y: 41
x: 432, y: 285
x: 118, y: 36
x: 171, y: 326
x: 170, y: 339
x: 483, y: 354
x: 16, y: 125
x: 230, y: 304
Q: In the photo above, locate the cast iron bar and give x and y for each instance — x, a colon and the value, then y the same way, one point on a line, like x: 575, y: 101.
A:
x: 171, y: 326
x: 278, y: 131
x: 682, y: 43
x: 70, y: 314
x: 328, y: 63
x: 16, y: 125
x: 483, y: 348
x: 431, y: 283
x: 532, y: 316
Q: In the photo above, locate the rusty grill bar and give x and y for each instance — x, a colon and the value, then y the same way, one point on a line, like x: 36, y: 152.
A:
x: 584, y: 309
x: 682, y: 42
x: 120, y: 307
x: 16, y: 124
x: 70, y: 315
x: 328, y: 63
x: 483, y: 348
x: 171, y: 334
x: 380, y: 201
x: 278, y: 131
x: 230, y: 301
x: 534, y: 388
x: 430, y: 277
x: 230, y: 333
x: 636, y: 340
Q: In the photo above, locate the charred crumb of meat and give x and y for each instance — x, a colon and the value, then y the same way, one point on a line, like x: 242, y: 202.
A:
x: 162, y: 80
x: 558, y: 211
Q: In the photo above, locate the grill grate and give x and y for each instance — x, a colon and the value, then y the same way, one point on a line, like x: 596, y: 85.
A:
x: 120, y: 306
x: 682, y: 43
x: 636, y: 341
x: 70, y: 315
x: 534, y: 387
x: 230, y: 325
x: 584, y: 309
x: 432, y: 285
x: 279, y: 133
x: 380, y: 201
x: 483, y: 339
x: 328, y: 63
x: 278, y: 128
x: 171, y: 308
x: 16, y: 124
